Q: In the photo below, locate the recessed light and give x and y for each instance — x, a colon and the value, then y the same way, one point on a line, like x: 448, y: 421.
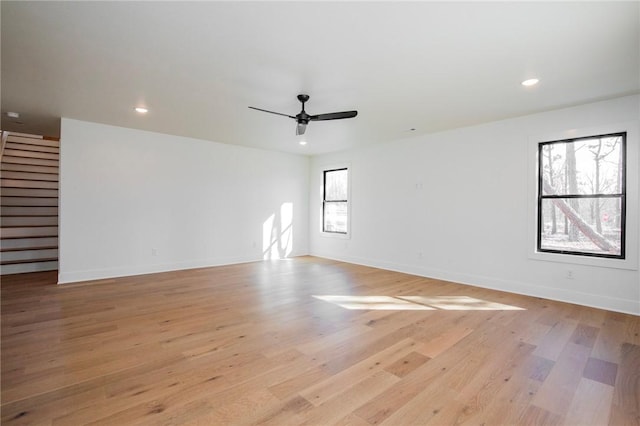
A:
x: 530, y: 82
x: 141, y: 110
x: 303, y: 142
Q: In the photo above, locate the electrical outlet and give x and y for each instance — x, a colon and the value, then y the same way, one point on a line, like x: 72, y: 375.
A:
x: 569, y: 274
x: 154, y: 252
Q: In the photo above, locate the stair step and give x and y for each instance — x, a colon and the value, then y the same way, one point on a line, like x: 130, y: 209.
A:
x: 33, y: 140
x: 24, y: 221
x: 29, y: 192
x: 24, y: 183
x: 11, y: 211
x: 42, y: 247
x: 30, y: 154
x: 28, y: 168
x: 32, y: 148
x: 6, y: 158
x: 26, y: 243
x: 5, y: 174
x: 25, y: 256
x: 15, y: 262
x: 28, y: 202
x: 28, y: 267
x: 28, y: 232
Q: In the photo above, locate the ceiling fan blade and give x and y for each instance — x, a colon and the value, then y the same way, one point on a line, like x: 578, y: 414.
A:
x: 333, y: 115
x: 300, y: 128
x: 272, y: 112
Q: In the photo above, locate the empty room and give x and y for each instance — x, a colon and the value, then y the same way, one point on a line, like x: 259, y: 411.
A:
x: 320, y: 213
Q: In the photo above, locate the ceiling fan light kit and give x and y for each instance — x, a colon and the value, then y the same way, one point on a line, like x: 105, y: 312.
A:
x: 302, y: 118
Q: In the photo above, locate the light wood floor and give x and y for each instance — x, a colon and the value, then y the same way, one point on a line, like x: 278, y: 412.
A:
x: 250, y: 343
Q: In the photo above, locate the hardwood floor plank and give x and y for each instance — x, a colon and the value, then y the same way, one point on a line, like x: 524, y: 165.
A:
x: 553, y: 342
x: 535, y: 415
x: 327, y: 389
x: 495, y: 375
x: 407, y: 364
x: 585, y: 335
x: 626, y: 394
x: 591, y: 404
x: 601, y: 371
x: 343, y: 403
x: 292, y: 386
x: 450, y: 337
x: 556, y: 393
x: 607, y: 345
x: 252, y: 344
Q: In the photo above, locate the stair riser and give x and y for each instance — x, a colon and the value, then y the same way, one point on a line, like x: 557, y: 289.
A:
x: 5, y: 174
x: 28, y: 267
x: 33, y: 141
x: 32, y: 148
x: 29, y: 221
x: 26, y: 232
x: 25, y: 243
x: 28, y: 211
x: 28, y: 255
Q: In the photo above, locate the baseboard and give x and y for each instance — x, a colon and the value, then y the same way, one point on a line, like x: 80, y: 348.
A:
x: 127, y: 271
x: 526, y: 289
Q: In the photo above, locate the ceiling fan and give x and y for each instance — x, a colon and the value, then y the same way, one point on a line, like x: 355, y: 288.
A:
x: 303, y: 118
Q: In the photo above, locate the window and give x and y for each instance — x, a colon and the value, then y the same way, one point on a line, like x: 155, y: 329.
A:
x: 335, y: 201
x: 582, y: 196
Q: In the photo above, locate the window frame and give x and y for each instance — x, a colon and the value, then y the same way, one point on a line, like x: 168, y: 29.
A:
x: 324, y: 201
x: 632, y: 230
x: 622, y: 196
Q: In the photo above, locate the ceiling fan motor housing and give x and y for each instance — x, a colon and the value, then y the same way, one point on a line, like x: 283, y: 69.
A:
x: 303, y: 117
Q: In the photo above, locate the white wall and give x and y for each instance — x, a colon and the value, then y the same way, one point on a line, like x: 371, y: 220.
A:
x: 459, y: 205
x: 127, y: 194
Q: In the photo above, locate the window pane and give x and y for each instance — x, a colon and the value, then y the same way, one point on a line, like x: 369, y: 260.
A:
x: 585, y: 166
x: 335, y: 217
x: 335, y: 185
x: 562, y: 231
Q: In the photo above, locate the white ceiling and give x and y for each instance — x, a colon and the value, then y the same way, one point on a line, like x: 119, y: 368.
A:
x: 198, y: 65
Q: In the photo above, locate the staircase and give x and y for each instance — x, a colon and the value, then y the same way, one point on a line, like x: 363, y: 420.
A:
x: 29, y: 203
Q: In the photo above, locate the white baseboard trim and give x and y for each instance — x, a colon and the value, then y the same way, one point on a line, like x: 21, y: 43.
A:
x: 526, y: 289
x: 127, y: 271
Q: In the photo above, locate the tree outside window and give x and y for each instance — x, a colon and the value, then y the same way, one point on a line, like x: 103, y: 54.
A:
x: 581, y: 196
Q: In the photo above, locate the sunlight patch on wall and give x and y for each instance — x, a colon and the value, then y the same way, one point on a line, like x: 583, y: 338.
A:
x: 416, y: 303
x: 277, y: 234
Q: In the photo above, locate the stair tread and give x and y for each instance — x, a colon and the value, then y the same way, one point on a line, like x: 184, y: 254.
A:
x: 24, y: 237
x: 15, y: 262
x: 28, y: 215
x: 29, y: 226
x: 12, y: 249
x: 28, y: 237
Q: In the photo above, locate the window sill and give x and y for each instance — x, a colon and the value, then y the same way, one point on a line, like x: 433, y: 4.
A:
x: 629, y: 264
x: 336, y: 235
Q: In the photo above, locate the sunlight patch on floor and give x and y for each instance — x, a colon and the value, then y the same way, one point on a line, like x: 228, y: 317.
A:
x: 379, y: 303
x: 416, y: 303
x: 460, y: 303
